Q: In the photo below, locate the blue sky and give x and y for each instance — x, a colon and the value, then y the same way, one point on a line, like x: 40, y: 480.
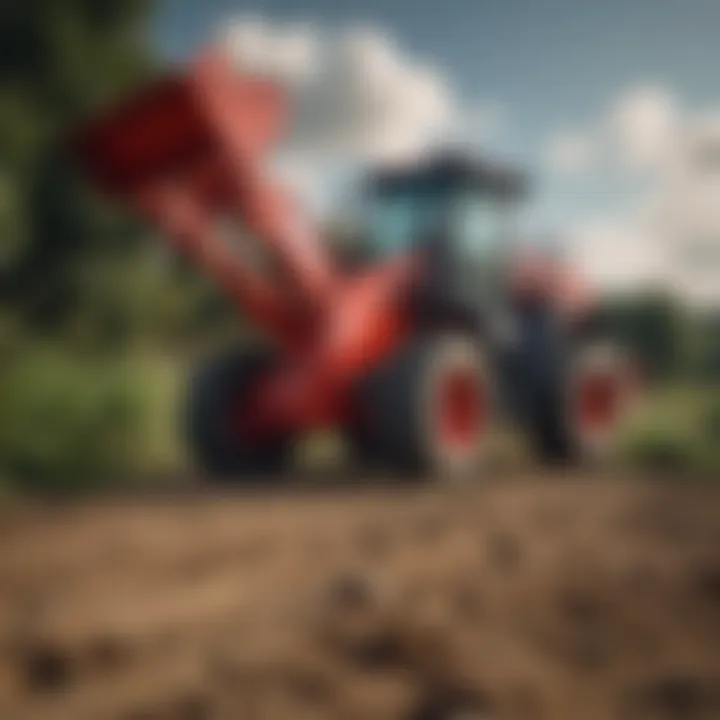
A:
x: 553, y: 65
x: 551, y: 60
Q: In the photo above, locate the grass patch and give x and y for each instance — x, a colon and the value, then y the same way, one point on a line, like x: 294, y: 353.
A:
x: 70, y: 423
x: 678, y: 429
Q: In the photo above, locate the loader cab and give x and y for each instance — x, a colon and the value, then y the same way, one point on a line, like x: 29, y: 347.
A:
x: 460, y: 213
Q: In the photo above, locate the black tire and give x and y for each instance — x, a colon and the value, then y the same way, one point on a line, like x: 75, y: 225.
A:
x: 553, y: 360
x: 398, y: 428
x: 220, y: 386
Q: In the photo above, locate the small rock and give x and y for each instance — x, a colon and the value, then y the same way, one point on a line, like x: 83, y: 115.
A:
x: 45, y: 667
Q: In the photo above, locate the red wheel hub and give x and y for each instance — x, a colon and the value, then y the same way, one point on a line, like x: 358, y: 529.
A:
x: 598, y: 396
x: 462, y: 408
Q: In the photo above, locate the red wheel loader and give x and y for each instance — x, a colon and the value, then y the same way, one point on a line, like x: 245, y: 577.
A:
x: 414, y: 352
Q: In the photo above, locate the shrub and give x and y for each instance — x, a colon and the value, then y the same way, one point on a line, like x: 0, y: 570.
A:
x: 711, y: 423
x: 679, y: 431
x: 66, y: 423
x: 659, y: 451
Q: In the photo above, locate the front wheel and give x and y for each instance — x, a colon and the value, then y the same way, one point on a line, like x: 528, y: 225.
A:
x: 427, y: 410
x: 217, y: 398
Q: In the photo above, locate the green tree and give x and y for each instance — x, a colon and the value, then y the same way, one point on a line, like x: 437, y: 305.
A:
x: 61, y: 60
x: 710, y: 359
x: 657, y: 328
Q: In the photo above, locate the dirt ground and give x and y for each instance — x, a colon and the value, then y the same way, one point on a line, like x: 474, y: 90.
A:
x: 531, y: 599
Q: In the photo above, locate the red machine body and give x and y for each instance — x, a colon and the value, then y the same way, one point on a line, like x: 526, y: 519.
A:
x: 191, y: 150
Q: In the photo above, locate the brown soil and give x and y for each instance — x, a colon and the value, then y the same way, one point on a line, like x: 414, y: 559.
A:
x: 558, y: 599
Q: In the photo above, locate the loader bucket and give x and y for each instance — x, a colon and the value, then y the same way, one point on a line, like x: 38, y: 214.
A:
x: 189, y: 152
x: 166, y: 130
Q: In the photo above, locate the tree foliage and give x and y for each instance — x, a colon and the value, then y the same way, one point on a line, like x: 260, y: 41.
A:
x: 61, y: 60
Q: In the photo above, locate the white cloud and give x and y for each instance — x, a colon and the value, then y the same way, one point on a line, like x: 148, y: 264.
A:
x: 687, y: 202
x: 288, y: 52
x: 357, y: 94
x: 637, y: 132
x: 373, y: 101
x: 672, y: 235
x: 685, y: 210
x: 618, y: 255
x: 571, y: 152
x: 644, y: 123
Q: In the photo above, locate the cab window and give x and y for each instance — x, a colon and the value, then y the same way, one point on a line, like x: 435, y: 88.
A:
x: 478, y: 227
x: 402, y: 218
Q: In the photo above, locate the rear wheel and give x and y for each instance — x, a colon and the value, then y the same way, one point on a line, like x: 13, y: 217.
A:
x: 427, y: 410
x: 578, y: 414
x: 217, y: 398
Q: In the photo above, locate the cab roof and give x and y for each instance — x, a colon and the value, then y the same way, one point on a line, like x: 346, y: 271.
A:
x: 453, y: 168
